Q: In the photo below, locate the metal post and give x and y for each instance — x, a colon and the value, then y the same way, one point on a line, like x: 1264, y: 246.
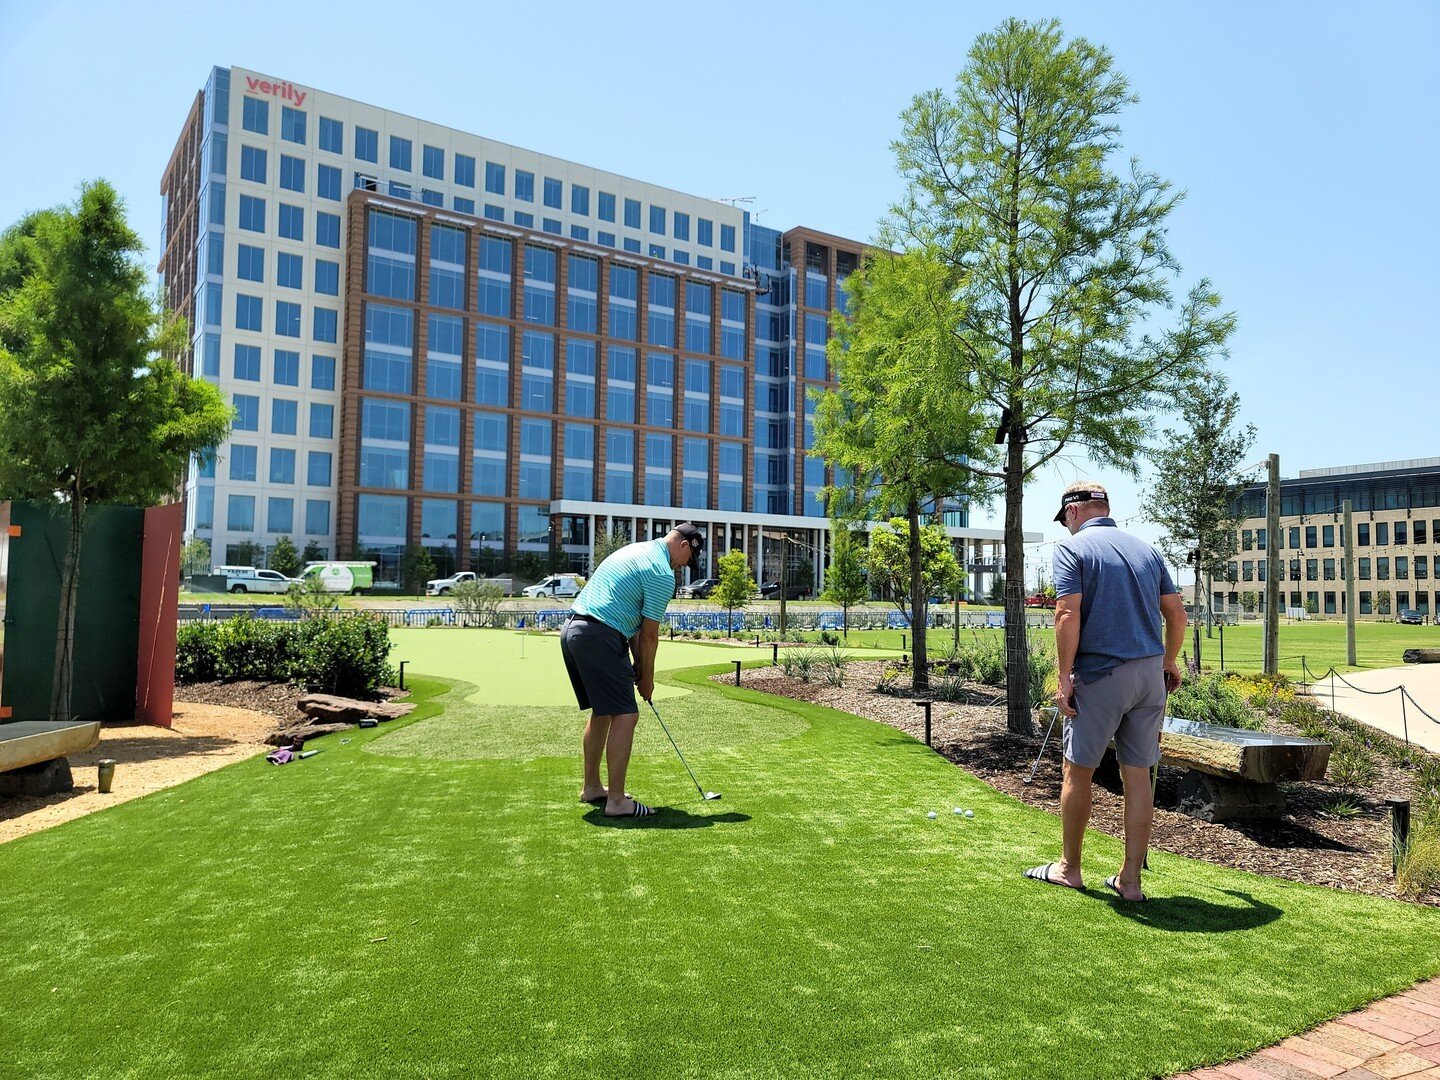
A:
x: 1347, y: 569
x: 774, y: 654
x: 1222, y: 643
x: 1399, y: 830
x: 1404, y: 720
x: 402, y: 673
x: 926, y: 706
x: 1272, y: 577
x: 903, y: 646
x: 737, y: 671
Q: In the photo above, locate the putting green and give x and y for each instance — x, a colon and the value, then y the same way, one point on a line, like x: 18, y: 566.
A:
x: 469, y: 729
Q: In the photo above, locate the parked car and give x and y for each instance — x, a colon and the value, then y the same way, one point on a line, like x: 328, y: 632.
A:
x: 1412, y: 617
x: 1040, y: 600
x: 556, y: 585
x: 341, y: 577
x: 771, y: 591
x: 698, y: 590
x: 442, y: 586
x: 247, y: 579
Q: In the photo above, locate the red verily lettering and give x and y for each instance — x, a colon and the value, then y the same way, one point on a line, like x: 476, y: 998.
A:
x: 284, y: 90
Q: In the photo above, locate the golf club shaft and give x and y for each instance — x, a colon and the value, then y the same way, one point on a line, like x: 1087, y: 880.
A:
x: 1043, y: 743
x: 673, y: 743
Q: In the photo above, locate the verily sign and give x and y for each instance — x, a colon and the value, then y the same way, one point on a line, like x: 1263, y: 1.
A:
x: 283, y: 90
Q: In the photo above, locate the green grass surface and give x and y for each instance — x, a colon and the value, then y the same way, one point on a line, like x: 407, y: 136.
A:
x: 813, y: 922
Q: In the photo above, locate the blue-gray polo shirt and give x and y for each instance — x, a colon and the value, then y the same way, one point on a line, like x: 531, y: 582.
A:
x: 1121, y: 579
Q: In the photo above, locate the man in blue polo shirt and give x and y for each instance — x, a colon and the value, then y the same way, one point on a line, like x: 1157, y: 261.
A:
x: 609, y: 645
x: 1113, y: 592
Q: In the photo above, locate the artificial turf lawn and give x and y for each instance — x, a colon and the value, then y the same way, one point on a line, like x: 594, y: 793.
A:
x: 814, y: 921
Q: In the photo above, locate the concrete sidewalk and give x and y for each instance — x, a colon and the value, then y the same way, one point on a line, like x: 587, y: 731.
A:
x: 1383, y: 710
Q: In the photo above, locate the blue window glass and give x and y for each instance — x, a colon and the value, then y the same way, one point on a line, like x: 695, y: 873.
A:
x: 661, y: 330
x: 399, y: 153
x: 240, y: 509
x: 727, y: 268
x: 322, y: 372
x: 657, y: 251
x: 247, y: 362
x: 432, y: 162
x: 281, y: 517
x: 399, y: 190
x: 697, y: 396
x: 292, y: 222
x: 581, y: 302
x: 624, y: 292
x: 465, y: 170
x: 317, y: 517
x: 606, y: 239
x: 390, y: 262
x: 327, y: 229
x: 659, y: 390
x: 464, y: 206
x: 447, y: 266
x: 704, y: 262
x: 552, y: 193
x: 444, y: 342
x: 327, y: 277
x: 695, y: 474
x: 535, y: 447
x: 332, y: 135
x: 289, y: 270
x: 619, y: 465
x: 539, y: 297
x: 389, y: 349
x: 250, y: 263
x: 537, y: 371
x: 384, y: 443
x: 632, y: 213
x: 605, y: 211
x: 214, y: 297
x: 550, y: 225
x: 287, y: 319
x: 526, y: 221
x: 578, y: 478
x: 659, y: 453
x: 286, y: 369
x: 620, y: 385
x: 255, y: 116
x: 657, y: 220
x: 495, y: 179
x: 326, y: 326
x: 704, y: 232
x: 524, y: 186
x: 579, y: 199
x: 367, y: 145
x: 247, y: 411
x: 432, y: 198
x: 317, y: 468
x: 632, y: 245
x: 253, y: 164
x: 322, y: 421
x: 580, y: 232
x: 682, y: 226
x: 217, y: 203
x: 382, y: 518
x: 492, y: 364
x: 441, y: 465
x: 252, y: 213
x: 327, y: 182
x: 244, y: 461
x: 494, y: 213
x: 727, y: 237
x: 292, y: 125
x: 491, y: 440
x: 249, y: 312
x: 579, y: 378
x: 210, y: 362
x: 205, y: 468
x: 494, y: 276
x: 681, y: 257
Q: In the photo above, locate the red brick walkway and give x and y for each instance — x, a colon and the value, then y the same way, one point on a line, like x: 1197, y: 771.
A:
x: 1398, y: 1036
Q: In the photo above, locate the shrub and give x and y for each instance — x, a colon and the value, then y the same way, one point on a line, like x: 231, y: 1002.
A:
x: 832, y: 666
x: 249, y: 648
x: 478, y: 602
x: 799, y: 663
x: 1213, y: 699
x: 1041, y: 677
x: 982, y: 659
x: 1352, y: 767
x: 197, y: 654
x: 347, y: 656
x: 1418, y: 869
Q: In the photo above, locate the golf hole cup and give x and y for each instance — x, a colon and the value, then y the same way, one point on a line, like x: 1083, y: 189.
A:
x: 107, y: 774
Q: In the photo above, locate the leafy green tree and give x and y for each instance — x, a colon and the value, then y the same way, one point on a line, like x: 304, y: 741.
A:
x: 91, y: 411
x: 416, y: 568
x: 1061, y: 269
x: 737, y: 583
x: 1382, y: 603
x: 310, y: 598
x: 247, y: 553
x: 478, y: 602
x: 606, y: 544
x: 284, y: 558
x: 889, y: 562
x: 312, y: 552
x: 1200, y: 473
x: 996, y: 595
x: 195, y: 557
x: 845, y: 582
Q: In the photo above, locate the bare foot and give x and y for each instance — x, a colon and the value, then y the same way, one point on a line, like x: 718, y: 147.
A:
x: 1126, y: 891
x: 1057, y: 874
x: 599, y: 795
x: 626, y: 807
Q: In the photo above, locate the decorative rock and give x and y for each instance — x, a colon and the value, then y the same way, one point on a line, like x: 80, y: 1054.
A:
x: 1422, y: 656
x: 287, y: 736
x: 330, y: 709
x: 1214, y: 798
x: 45, y: 778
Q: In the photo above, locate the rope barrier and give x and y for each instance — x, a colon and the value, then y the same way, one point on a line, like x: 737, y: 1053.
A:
x: 1402, y: 690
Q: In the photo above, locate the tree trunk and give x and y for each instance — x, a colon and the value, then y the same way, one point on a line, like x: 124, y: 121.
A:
x: 65, y: 624
x: 918, y: 600
x: 1017, y: 657
x: 1209, y: 611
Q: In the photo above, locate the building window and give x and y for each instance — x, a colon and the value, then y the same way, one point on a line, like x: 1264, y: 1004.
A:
x: 292, y: 222
x: 447, y: 266
x: 253, y: 165
x: 704, y: 232
x: 551, y: 225
x: 400, y: 153
x: 327, y: 182
x: 322, y: 373
x: 326, y: 325
x: 242, y: 462
x: 384, y: 443
x: 247, y: 363
x: 389, y: 349
x: 247, y: 411
x: 282, y: 466
x: 552, y: 193
x: 582, y: 301
x: 495, y: 178
x: 255, y: 116
x: 539, y: 285
x: 465, y: 170
x: 494, y: 275
x: 727, y: 237
x: 537, y: 371
x: 317, y: 517
x: 657, y: 220
x: 619, y: 466
x: 464, y: 206
x: 248, y: 312
x: 1382, y: 533
x: 252, y: 213
x: 535, y: 459
x: 287, y: 319
x: 390, y: 265
x: 605, y: 211
x: 432, y: 162
x: 367, y: 145
x: 327, y: 277
x: 240, y: 510
x: 289, y: 270
x: 491, y: 444
x: 578, y: 478
x: 697, y: 397
x: 292, y: 125
x: 250, y: 263
x: 492, y: 364
x: 332, y: 135
x: 317, y: 468
x: 442, y: 449
x: 322, y: 421
x: 659, y: 453
x: 327, y: 229
x: 620, y: 385
x: 660, y: 390
x: 661, y: 312
x: 444, y: 343
x: 579, y: 378
x: 286, y: 368
x: 1401, y: 532
x: 624, y: 294
x: 632, y: 215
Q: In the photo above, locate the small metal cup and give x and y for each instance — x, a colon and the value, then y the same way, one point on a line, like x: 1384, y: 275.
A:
x: 107, y: 774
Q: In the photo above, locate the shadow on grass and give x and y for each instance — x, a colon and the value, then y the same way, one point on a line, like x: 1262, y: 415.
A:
x: 665, y: 817
x: 1194, y: 915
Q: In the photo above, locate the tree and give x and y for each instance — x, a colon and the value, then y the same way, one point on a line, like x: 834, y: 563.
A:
x: 996, y: 595
x: 737, y: 584
x: 416, y: 569
x: 247, y: 553
x: 1200, y: 475
x: 1382, y: 603
x: 606, y: 544
x: 902, y: 425
x: 478, y: 602
x: 310, y: 598
x: 195, y: 557
x: 312, y: 552
x: 889, y: 562
x: 1061, y: 268
x: 284, y: 558
x: 1248, y: 602
x: 91, y: 408
x: 845, y: 582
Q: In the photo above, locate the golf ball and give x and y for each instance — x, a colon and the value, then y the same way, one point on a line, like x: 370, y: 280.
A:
x: 958, y: 810
x: 932, y: 814
x: 969, y: 813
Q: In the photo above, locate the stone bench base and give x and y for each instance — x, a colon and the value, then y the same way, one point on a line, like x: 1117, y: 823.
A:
x: 45, y: 778
x: 1216, y: 798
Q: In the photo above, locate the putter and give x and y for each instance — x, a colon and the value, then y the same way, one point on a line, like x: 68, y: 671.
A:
x: 1155, y: 772
x: 708, y: 796
x: 1054, y: 715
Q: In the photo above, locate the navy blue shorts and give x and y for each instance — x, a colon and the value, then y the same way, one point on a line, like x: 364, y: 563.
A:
x: 597, y: 656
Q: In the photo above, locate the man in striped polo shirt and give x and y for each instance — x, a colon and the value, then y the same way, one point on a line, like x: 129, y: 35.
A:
x: 609, y: 645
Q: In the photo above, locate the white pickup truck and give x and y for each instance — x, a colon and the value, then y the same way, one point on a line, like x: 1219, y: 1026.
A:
x: 248, y: 579
x: 445, y: 585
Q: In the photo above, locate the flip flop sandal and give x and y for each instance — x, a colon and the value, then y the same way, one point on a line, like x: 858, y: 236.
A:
x: 641, y: 810
x: 1113, y: 883
x: 1042, y: 874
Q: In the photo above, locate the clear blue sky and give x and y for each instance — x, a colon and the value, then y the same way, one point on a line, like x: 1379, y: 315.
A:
x: 1305, y: 134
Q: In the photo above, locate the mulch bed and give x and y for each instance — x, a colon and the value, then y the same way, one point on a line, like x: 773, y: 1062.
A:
x: 1307, y: 844
x: 275, y: 699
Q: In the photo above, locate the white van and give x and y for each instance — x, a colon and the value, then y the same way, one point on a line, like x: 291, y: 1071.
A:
x: 248, y: 579
x: 556, y: 585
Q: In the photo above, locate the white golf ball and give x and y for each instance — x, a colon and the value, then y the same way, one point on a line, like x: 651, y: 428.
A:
x: 969, y: 813
x: 932, y: 814
x: 958, y: 810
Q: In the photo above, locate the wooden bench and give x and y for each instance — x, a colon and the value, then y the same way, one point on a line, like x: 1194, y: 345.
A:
x: 1234, y: 774
x: 33, y: 754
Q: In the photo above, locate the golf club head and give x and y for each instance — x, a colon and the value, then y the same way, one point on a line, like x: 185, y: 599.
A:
x: 1028, y: 780
x: 711, y: 796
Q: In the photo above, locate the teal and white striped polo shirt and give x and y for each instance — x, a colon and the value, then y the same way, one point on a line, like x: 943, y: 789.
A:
x: 634, y: 583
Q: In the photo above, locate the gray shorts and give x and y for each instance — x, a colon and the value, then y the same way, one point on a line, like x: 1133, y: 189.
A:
x: 1127, y: 705
x: 597, y: 656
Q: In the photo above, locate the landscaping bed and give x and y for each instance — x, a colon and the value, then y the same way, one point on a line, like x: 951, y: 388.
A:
x: 1310, y: 843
